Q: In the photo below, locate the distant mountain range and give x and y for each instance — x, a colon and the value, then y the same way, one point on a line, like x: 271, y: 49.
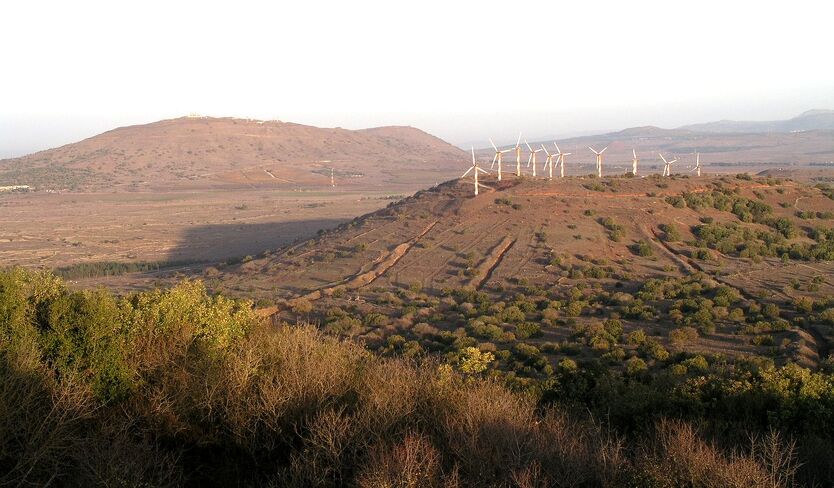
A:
x: 805, y: 140
x: 810, y: 120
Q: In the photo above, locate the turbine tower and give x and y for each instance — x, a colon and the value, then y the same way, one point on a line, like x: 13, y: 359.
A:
x: 477, y: 171
x: 599, y: 160
x: 634, y: 162
x: 532, y: 158
x: 499, y: 158
x: 518, y: 156
x: 548, y: 162
x: 667, y: 165
x: 561, y: 160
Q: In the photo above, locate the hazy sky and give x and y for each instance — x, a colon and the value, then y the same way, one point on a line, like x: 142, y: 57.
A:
x: 461, y: 70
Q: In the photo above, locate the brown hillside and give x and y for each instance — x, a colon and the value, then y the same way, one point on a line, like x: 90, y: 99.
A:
x: 201, y: 152
x: 449, y: 231
x: 552, y: 238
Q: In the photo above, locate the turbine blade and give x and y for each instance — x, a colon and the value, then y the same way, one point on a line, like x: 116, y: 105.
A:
x: 473, y: 154
x: 493, y: 144
x: 606, y: 147
x: 557, y: 148
x: 519, y: 140
x: 467, y: 172
x: 528, y: 145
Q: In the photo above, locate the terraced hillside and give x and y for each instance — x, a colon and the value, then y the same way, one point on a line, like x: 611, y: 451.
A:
x: 612, y: 270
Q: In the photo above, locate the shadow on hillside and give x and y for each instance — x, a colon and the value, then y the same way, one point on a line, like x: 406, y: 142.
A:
x: 222, y: 242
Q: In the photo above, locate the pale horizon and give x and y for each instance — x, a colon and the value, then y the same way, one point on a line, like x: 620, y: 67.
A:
x: 83, y: 68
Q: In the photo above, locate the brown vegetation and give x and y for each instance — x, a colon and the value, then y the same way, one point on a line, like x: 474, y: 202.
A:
x: 207, y: 395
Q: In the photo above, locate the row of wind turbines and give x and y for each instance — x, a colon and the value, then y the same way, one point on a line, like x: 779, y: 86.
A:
x: 557, y: 158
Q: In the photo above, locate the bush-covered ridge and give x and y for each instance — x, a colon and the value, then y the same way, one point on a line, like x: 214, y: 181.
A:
x: 178, y: 387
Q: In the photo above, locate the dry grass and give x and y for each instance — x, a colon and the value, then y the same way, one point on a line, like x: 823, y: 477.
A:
x: 52, y: 433
x: 677, y: 456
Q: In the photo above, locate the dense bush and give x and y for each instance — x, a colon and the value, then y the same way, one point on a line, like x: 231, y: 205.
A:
x: 114, y: 268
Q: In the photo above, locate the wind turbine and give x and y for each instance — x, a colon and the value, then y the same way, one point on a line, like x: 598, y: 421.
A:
x: 548, y: 162
x: 518, y: 156
x: 499, y: 158
x: 667, y: 165
x: 599, y: 160
x: 697, y: 167
x: 561, y: 158
x: 532, y: 158
x: 634, y: 162
x: 332, y: 178
x: 477, y: 171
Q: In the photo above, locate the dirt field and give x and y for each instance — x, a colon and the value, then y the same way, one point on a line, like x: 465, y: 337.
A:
x: 55, y: 230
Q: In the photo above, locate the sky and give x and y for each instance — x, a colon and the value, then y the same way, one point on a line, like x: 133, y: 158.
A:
x: 461, y: 70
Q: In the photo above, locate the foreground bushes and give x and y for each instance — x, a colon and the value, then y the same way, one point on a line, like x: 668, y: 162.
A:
x: 177, y: 387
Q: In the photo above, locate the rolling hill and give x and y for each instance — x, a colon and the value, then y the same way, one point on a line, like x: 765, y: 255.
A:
x: 621, y: 247
x: 202, y: 152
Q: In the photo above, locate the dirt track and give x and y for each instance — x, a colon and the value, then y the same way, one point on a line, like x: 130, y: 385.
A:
x: 383, y: 264
x: 485, y: 268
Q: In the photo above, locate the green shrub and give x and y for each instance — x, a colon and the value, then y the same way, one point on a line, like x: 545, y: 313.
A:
x: 670, y: 232
x: 526, y: 330
x: 683, y: 335
x: 642, y: 248
x: 512, y: 314
x: 635, y: 366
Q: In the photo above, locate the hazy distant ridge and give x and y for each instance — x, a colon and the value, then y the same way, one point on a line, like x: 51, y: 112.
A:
x: 810, y: 120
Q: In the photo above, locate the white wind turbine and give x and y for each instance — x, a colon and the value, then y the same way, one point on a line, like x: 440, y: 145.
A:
x: 561, y: 159
x: 548, y: 162
x: 499, y: 158
x: 518, y: 156
x: 477, y: 172
x: 697, y: 167
x: 599, y: 160
x: 532, y: 158
x: 667, y: 165
x: 634, y: 162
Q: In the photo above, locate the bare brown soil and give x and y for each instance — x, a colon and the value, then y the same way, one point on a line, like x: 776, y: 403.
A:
x: 54, y: 230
